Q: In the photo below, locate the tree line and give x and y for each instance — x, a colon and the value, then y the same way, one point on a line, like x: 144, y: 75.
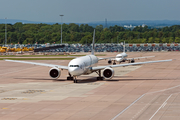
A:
x: 74, y: 33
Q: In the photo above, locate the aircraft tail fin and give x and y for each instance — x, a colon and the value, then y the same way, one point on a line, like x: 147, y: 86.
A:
x: 124, y: 49
x: 92, y: 52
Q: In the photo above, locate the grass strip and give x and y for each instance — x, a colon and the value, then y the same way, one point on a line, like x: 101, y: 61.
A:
x: 37, y: 58
x: 44, y: 55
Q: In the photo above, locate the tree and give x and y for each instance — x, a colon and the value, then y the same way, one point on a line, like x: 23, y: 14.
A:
x: 171, y: 39
x: 151, y: 40
x: 138, y: 28
x: 99, y: 28
x: 88, y: 28
x: 73, y: 27
x: 156, y: 40
x: 165, y: 40
x: 87, y: 39
x: 177, y: 40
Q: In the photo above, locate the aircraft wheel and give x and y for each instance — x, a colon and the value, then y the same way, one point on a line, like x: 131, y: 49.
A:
x: 100, y: 78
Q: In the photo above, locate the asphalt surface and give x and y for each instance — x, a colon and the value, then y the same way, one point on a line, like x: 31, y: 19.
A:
x: 143, y: 92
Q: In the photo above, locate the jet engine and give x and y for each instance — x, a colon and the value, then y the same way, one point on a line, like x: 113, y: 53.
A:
x: 123, y: 61
x: 108, y: 73
x: 54, y: 73
x: 109, y: 61
x: 132, y: 61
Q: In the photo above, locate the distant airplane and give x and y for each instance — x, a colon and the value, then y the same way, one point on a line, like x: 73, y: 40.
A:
x: 122, y: 57
x: 83, y: 66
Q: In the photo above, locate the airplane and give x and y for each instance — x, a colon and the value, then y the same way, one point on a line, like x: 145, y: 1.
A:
x: 122, y: 57
x: 84, y: 65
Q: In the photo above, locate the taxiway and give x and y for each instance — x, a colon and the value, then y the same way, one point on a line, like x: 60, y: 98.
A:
x: 150, y: 91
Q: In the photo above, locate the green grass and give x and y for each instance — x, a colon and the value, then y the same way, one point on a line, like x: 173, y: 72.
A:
x: 100, y: 54
x: 38, y: 58
x: 33, y: 55
x: 45, y: 55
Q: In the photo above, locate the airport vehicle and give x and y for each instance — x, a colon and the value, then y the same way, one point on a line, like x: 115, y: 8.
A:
x: 122, y: 57
x: 3, y: 49
x: 83, y: 66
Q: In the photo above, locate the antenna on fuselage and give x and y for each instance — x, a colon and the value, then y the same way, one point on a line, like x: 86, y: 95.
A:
x: 93, y: 43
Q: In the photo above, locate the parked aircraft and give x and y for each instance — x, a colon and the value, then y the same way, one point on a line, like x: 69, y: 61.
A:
x: 83, y: 66
x: 122, y: 57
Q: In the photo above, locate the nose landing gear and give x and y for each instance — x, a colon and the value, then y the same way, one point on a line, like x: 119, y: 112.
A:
x: 75, y: 80
x: 70, y: 77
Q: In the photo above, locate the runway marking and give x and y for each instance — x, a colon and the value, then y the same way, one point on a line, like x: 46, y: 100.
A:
x: 127, y: 107
x: 142, y: 109
x: 140, y: 98
x: 25, y: 98
x: 164, y: 105
x: 160, y: 107
x: 8, y: 98
x: 33, y: 91
x: 164, y: 89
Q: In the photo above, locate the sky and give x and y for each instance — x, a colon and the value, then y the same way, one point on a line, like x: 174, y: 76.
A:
x: 84, y: 11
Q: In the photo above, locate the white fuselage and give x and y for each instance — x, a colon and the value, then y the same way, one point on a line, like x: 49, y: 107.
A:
x: 121, y: 57
x: 82, y: 65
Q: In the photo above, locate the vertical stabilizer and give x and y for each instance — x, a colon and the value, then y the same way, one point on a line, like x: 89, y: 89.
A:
x: 124, y: 49
x: 93, y: 43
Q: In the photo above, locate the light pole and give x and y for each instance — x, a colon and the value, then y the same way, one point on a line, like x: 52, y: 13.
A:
x: 61, y: 27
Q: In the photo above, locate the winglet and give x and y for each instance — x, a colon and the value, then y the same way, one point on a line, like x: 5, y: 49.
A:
x: 93, y: 43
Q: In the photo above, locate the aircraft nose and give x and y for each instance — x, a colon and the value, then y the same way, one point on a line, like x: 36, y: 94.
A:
x: 73, y: 71
x: 118, y: 59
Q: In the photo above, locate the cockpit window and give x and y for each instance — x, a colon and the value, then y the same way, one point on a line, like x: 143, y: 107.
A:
x: 118, y: 56
x: 74, y: 65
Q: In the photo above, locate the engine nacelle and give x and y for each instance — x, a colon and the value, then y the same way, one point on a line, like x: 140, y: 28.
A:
x: 109, y: 61
x: 108, y: 73
x: 123, y: 61
x: 54, y: 73
x: 132, y: 61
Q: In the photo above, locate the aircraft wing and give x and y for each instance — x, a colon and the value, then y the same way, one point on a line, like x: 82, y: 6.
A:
x: 40, y: 64
x: 110, y: 58
x: 128, y: 64
x: 139, y: 57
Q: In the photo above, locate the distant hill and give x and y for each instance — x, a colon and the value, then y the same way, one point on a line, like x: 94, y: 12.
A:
x: 137, y: 22
x: 151, y: 23
x: 13, y: 21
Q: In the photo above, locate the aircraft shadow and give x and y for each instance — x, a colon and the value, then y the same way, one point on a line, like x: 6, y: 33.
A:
x: 94, y: 79
x: 41, y: 79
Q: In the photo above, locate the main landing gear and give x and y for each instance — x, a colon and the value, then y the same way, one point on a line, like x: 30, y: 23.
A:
x: 131, y: 61
x: 110, y: 61
x: 99, y: 73
x: 114, y: 63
